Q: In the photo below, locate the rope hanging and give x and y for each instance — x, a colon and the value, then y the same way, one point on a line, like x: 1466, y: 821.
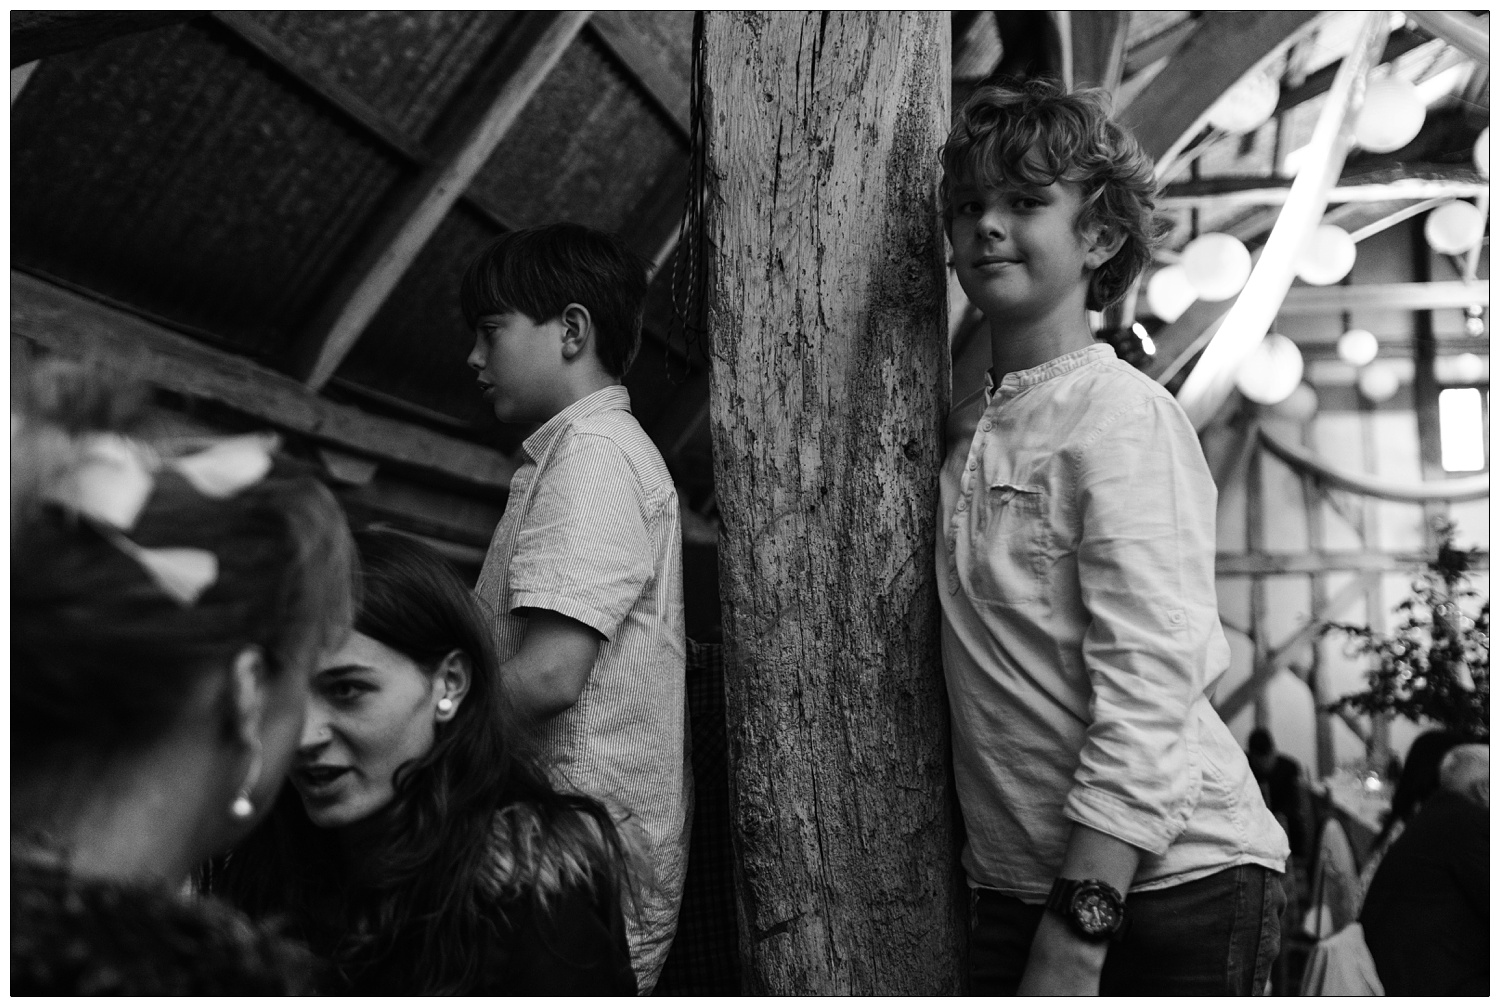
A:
x: 689, y: 277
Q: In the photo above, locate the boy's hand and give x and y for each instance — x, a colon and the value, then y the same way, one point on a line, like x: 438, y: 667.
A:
x: 1061, y: 963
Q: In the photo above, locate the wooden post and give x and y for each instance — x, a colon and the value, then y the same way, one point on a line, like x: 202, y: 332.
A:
x: 1317, y: 675
x: 1255, y: 541
x: 829, y: 388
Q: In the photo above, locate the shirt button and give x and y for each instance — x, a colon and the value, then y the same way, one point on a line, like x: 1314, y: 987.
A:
x: 972, y: 466
x: 963, y: 505
x: 987, y: 425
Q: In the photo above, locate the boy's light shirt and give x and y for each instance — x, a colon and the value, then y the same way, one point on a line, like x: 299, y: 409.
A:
x: 592, y: 530
x: 1081, y: 633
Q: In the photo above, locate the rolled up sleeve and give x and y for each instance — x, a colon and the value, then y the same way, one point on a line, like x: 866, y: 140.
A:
x: 583, y: 550
x: 1146, y: 568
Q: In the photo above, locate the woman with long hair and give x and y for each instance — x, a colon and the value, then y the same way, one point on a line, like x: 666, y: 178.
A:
x: 168, y: 603
x: 422, y: 849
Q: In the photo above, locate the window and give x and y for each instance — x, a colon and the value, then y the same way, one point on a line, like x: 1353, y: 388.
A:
x: 1461, y: 422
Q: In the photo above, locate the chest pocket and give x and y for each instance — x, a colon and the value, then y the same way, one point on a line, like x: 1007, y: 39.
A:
x: 1009, y: 556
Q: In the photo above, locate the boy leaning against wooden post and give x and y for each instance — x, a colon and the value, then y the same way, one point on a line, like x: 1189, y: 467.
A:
x: 1117, y: 841
x: 584, y: 573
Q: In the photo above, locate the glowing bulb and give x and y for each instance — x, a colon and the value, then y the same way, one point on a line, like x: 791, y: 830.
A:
x: 1378, y: 382
x: 1358, y: 347
x: 1217, y: 265
x: 1326, y: 256
x: 1170, y: 293
x: 1454, y: 227
x: 1147, y: 343
x: 1391, y: 116
x: 1246, y: 105
x: 1301, y: 405
x: 1272, y: 371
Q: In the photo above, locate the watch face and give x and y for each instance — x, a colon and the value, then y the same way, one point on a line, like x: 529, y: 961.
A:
x: 1095, y: 913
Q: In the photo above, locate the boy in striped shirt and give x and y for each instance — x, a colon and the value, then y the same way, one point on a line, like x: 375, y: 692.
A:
x: 584, y: 573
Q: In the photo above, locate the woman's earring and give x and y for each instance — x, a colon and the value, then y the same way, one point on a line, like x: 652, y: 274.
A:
x: 242, y: 808
x: 445, y: 705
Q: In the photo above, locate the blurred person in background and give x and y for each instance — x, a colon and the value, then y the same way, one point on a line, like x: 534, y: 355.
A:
x: 1426, y: 915
x: 169, y: 602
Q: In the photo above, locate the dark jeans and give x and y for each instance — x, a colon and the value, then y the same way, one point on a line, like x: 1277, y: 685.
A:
x: 1216, y: 936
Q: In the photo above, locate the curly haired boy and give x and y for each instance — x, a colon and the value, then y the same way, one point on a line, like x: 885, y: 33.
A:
x: 1117, y: 841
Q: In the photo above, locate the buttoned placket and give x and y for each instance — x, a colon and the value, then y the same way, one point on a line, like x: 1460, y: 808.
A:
x: 966, y: 487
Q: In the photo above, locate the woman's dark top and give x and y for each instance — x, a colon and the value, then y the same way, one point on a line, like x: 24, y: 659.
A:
x: 574, y: 947
x: 74, y: 937
x: 1427, y: 914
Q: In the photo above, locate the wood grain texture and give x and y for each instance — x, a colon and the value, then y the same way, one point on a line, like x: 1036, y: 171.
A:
x: 829, y: 386
x: 59, y: 321
x: 1224, y: 47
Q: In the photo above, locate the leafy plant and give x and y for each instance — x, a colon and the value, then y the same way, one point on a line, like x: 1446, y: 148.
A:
x: 1436, y: 665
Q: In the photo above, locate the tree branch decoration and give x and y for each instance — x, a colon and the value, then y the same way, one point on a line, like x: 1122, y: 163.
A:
x: 1436, y: 665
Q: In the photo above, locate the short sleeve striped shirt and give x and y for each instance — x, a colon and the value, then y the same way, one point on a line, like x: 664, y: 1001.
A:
x: 592, y: 531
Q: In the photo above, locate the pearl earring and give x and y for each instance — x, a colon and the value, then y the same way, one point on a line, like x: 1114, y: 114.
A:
x: 241, y: 808
x: 445, y: 705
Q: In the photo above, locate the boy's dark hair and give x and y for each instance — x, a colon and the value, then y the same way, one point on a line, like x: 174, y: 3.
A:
x: 539, y: 271
x: 1036, y: 133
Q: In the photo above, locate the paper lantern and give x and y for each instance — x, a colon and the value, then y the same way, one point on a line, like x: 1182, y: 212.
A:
x: 1482, y: 152
x: 1170, y: 293
x: 1378, y: 382
x: 1272, y: 371
x: 1217, y: 265
x: 1358, y: 347
x: 1326, y: 256
x: 1454, y: 228
x: 1301, y: 405
x: 1391, y: 116
x: 1246, y: 105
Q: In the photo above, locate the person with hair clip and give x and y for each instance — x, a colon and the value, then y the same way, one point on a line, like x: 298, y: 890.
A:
x: 168, y: 603
x: 423, y: 850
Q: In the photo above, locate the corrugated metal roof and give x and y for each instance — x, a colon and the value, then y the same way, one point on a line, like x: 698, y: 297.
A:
x: 170, y: 170
x: 408, y: 64
x: 587, y: 148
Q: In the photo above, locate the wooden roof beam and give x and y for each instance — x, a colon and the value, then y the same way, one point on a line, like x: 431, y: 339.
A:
x: 668, y: 91
x: 72, y: 325
x: 342, y: 99
x: 1401, y: 42
x: 1385, y: 297
x: 1158, y: 46
x: 355, y: 300
x: 1226, y: 45
x: 1093, y: 47
x: 1286, y: 564
x: 1257, y: 304
x: 1461, y: 30
x: 1179, y: 342
x: 1279, y: 658
x: 1404, y: 182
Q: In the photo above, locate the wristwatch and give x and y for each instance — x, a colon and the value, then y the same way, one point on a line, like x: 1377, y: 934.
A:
x: 1094, y: 909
